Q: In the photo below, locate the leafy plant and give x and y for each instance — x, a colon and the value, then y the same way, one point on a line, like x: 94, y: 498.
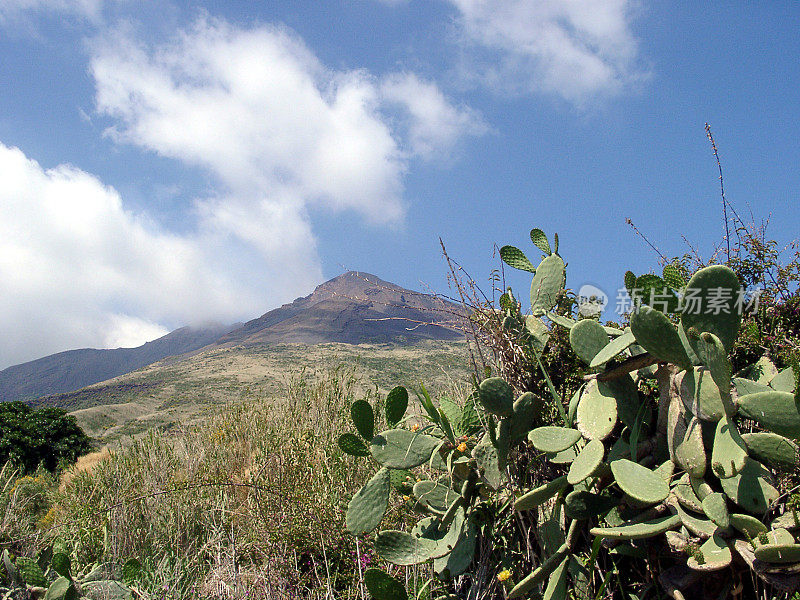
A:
x: 694, y: 468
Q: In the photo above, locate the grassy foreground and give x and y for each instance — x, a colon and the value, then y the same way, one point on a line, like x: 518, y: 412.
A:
x: 247, y: 504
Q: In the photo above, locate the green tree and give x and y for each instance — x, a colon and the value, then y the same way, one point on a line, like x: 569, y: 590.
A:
x: 48, y: 437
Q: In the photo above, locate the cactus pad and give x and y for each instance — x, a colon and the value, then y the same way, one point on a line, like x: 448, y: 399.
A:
x: 729, y: 452
x: 396, y: 405
x: 383, y: 586
x: 514, y: 257
x: 352, y: 444
x: 496, y: 396
x: 553, y: 439
x: 713, y: 354
x: 717, y: 289
x: 752, y: 488
x: 715, y: 508
x: 716, y: 555
x: 403, y: 449
x: 456, y: 562
x: 778, y: 553
x: 783, y: 381
x: 748, y: 386
x: 401, y: 548
x: 538, y: 495
x: 637, y: 531
x: 597, y: 412
x: 363, y: 418
x: 639, y: 482
x: 698, y: 526
x: 61, y: 589
x: 586, y: 463
x: 547, y: 283
x: 539, y: 240
x: 690, y: 451
x: 565, y: 457
x: 750, y: 526
x: 587, y: 338
x: 686, y: 496
x: 366, y: 509
x: 700, y: 394
x: 773, y: 449
x: 613, y: 348
x: 580, y: 504
x: 435, y: 495
x: 657, y: 335
x: 30, y: 571
x: 775, y: 411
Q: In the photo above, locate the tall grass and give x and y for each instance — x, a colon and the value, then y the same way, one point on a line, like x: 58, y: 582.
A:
x: 248, y: 505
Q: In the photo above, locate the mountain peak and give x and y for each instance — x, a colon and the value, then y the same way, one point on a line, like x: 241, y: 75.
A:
x: 353, y: 308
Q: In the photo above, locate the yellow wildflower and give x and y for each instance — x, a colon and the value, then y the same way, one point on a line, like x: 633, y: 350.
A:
x: 415, y: 427
x: 462, y: 447
x: 503, y: 575
x: 406, y: 498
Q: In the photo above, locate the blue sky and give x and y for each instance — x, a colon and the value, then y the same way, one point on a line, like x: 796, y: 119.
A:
x: 166, y: 163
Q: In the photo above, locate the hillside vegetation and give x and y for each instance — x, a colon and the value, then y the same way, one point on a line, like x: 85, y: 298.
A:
x: 172, y: 394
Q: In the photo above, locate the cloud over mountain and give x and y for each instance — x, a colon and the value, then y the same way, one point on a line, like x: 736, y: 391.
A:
x: 278, y: 132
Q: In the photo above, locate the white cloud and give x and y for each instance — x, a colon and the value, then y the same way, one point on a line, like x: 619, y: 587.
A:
x: 257, y: 109
x: 432, y: 121
x: 279, y: 132
x: 577, y: 49
x: 77, y: 269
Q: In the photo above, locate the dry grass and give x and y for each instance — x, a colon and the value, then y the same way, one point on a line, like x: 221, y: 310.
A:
x: 248, y: 504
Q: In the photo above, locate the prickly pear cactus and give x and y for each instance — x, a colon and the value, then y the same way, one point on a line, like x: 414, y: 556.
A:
x: 662, y: 446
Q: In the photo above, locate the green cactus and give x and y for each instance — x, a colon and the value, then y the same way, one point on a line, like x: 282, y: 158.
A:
x: 403, y: 449
x: 775, y: 411
x: 717, y: 288
x: 596, y: 412
x: 496, y: 396
x: 587, y: 338
x: 639, y: 482
x: 779, y: 553
x: 783, y: 381
x: 401, y: 548
x: 363, y: 418
x: 773, y: 449
x: 539, y: 240
x: 396, y: 405
x: 716, y: 555
x: 434, y: 496
x: 514, y: 257
x: 553, y: 439
x: 615, y: 347
x: 657, y: 335
x: 352, y: 444
x: 635, y: 531
x: 383, y: 586
x: 61, y: 564
x: 606, y: 466
x: 748, y: 525
x: 365, y: 511
x: 730, y: 452
x: 61, y: 589
x: 752, y: 488
x: 703, y: 528
x: 30, y: 572
x: 547, y: 284
x: 715, y: 508
x: 586, y: 463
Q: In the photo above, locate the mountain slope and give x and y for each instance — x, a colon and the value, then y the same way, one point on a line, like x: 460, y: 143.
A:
x: 74, y: 369
x: 353, y: 308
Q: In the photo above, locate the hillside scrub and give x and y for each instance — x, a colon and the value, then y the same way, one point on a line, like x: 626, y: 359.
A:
x: 248, y: 504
